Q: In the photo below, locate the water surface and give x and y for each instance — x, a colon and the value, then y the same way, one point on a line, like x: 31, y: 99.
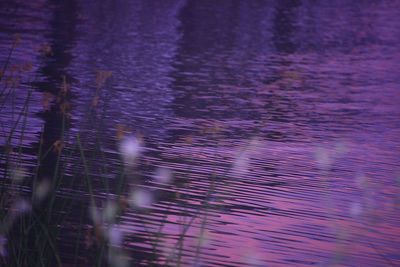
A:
x: 304, y: 94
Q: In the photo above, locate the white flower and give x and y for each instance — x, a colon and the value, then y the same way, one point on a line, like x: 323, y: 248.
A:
x: 163, y: 175
x: 204, y: 238
x: 118, y: 258
x: 42, y: 189
x: 130, y: 148
x: 95, y: 214
x: 254, y: 143
x: 21, y: 207
x: 323, y: 158
x: 18, y: 174
x: 140, y: 198
x: 361, y: 180
x: 253, y: 259
x: 110, y: 211
x: 115, y: 235
x: 241, y: 164
x: 356, y: 209
x: 341, y: 148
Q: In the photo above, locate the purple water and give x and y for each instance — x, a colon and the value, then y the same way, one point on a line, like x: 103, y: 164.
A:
x: 313, y: 86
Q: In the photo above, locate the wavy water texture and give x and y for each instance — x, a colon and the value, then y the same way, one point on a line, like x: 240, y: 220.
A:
x: 280, y: 121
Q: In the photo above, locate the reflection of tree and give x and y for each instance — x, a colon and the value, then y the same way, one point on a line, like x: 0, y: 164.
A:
x: 56, y: 56
x: 136, y: 40
x: 206, y: 28
x: 284, y: 26
x: 227, y: 56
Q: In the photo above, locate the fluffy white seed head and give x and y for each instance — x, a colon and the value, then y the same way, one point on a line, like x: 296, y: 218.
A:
x: 356, y: 209
x: 241, y: 164
x: 18, y: 175
x: 323, y: 158
x: 115, y: 235
x: 118, y: 258
x: 253, y: 259
x: 42, y: 189
x: 21, y: 207
x: 110, y: 211
x: 163, y: 175
x: 140, y: 198
x: 95, y: 214
x: 130, y: 149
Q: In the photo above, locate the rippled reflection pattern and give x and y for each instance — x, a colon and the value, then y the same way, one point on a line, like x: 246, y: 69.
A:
x: 220, y: 133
